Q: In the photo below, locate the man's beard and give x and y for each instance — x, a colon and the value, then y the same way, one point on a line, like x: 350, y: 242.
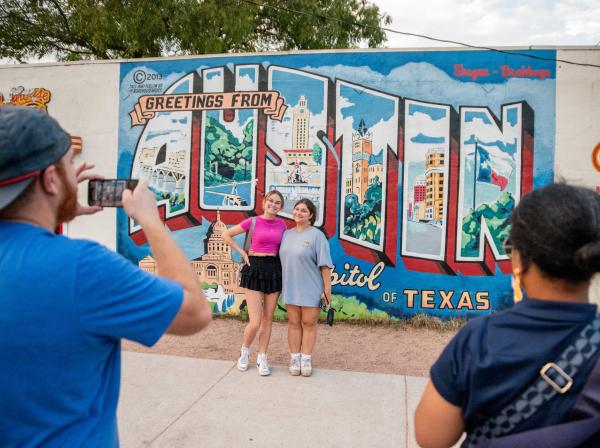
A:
x: 67, y: 208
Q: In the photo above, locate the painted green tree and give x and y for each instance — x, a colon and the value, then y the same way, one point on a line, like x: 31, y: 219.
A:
x: 317, y: 154
x: 176, y: 200
x: 226, y: 159
x: 497, y: 216
x: 114, y: 29
x: 346, y: 308
x: 363, y: 221
x: 245, y: 150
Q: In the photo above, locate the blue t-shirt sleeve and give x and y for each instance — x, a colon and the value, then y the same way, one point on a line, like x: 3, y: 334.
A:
x: 446, y: 374
x: 117, y: 300
x: 323, y: 251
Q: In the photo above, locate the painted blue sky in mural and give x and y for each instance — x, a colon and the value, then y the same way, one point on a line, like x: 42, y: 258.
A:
x: 422, y: 138
x: 363, y: 105
x: 293, y: 85
x: 507, y: 147
x: 249, y: 72
x: 435, y: 113
x: 408, y: 74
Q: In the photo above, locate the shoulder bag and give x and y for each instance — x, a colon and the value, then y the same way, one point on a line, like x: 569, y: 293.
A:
x: 247, y: 244
x: 556, y: 378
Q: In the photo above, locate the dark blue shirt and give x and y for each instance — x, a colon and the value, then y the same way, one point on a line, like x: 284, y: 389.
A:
x: 495, y: 357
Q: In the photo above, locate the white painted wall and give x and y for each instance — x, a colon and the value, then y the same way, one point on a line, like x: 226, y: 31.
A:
x: 85, y: 101
x: 578, y: 124
x: 577, y: 117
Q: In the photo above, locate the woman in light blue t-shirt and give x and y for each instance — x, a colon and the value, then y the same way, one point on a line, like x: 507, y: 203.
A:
x: 306, y: 266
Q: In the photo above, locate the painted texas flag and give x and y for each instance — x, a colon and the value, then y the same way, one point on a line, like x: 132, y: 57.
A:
x: 491, y: 170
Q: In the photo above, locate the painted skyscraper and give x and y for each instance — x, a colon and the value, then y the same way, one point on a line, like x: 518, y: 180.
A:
x: 362, y: 149
x: 434, y: 173
x: 300, y: 125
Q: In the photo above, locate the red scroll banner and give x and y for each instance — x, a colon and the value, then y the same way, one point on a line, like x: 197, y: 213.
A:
x: 147, y: 106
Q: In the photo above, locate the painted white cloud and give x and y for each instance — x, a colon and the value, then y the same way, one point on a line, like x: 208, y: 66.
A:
x: 416, y: 124
x: 245, y: 82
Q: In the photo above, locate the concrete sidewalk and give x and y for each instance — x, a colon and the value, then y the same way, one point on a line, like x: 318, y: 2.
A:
x: 170, y: 401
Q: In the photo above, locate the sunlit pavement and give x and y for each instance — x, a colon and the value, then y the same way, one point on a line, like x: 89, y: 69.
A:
x: 171, y: 401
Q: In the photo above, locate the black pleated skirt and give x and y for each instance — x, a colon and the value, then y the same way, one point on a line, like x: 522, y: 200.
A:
x: 263, y: 274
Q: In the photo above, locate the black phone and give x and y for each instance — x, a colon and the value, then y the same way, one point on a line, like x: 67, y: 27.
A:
x: 109, y: 192
x: 323, y: 304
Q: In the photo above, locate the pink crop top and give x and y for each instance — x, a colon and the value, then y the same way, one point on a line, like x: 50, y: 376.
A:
x: 267, y: 234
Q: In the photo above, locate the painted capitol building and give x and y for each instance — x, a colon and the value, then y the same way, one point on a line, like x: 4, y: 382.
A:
x: 216, y: 266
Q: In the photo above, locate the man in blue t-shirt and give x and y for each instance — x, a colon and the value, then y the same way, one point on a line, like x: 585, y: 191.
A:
x: 66, y: 304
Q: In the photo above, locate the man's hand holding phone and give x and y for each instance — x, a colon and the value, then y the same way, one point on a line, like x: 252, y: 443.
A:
x: 140, y: 204
x: 134, y: 196
x: 109, y: 192
x: 84, y: 172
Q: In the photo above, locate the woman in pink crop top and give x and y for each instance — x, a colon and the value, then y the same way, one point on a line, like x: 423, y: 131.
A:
x: 261, y: 276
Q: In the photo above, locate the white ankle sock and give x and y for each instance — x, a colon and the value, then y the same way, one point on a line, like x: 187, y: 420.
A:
x: 295, y: 355
x: 304, y: 356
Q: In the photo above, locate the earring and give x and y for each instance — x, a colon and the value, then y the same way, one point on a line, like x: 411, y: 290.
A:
x: 516, y: 284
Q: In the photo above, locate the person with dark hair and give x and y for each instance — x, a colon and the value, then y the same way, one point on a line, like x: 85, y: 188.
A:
x: 306, y: 265
x: 509, y: 373
x: 261, y: 276
x: 66, y: 303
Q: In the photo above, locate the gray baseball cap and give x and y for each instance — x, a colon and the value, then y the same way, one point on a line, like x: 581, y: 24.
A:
x: 30, y: 141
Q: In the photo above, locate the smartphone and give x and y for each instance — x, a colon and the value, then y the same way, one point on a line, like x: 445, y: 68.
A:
x: 109, y: 192
x: 323, y: 304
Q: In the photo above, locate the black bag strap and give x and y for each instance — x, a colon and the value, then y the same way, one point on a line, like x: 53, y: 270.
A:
x: 248, y: 238
x: 555, y: 378
x: 579, y: 433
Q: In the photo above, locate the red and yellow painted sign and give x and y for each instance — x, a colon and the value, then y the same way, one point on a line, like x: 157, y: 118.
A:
x: 37, y: 97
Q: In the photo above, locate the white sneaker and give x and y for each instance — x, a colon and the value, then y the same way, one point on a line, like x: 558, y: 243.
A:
x: 242, y: 362
x: 294, y: 367
x: 262, y: 365
x: 306, y: 366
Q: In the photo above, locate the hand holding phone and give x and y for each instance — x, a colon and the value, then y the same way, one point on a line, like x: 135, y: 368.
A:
x: 140, y: 205
x: 324, y: 301
x: 109, y: 192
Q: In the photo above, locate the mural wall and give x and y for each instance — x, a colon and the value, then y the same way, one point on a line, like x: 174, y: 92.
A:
x: 414, y: 160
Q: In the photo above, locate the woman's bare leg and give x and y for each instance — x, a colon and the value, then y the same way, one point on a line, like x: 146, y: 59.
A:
x: 266, y: 322
x: 310, y: 316
x: 254, y: 302
x: 294, y: 328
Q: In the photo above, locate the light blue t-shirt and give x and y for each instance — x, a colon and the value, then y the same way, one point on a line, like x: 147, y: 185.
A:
x: 302, y: 255
x: 64, y: 307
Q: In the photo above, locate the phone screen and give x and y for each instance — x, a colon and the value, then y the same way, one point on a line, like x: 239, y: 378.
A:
x: 109, y: 192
